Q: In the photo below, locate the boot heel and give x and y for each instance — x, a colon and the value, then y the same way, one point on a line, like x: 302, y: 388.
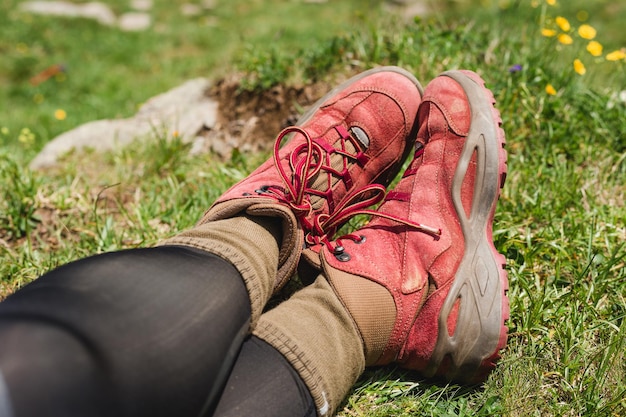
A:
x: 479, y: 287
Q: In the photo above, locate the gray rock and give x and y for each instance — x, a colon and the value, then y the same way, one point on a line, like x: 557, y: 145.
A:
x: 94, y: 10
x: 143, y: 5
x: 134, y: 21
x: 189, y: 9
x: 184, y: 111
x: 100, y: 12
x: 409, y: 8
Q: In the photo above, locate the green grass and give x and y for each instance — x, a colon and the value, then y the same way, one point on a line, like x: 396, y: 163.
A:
x: 109, y: 73
x: 560, y: 221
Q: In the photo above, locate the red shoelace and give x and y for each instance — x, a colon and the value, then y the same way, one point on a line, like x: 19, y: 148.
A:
x: 306, y: 161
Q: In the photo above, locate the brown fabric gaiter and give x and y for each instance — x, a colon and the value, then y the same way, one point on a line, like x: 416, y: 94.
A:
x: 317, y: 335
x: 250, y: 243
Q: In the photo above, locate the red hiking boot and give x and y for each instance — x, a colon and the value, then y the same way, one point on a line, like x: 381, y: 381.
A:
x: 357, y: 135
x: 423, y: 280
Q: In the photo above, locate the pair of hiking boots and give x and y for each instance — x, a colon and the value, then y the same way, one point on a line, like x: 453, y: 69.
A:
x: 422, y: 280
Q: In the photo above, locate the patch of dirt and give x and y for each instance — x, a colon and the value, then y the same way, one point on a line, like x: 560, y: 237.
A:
x: 250, y: 121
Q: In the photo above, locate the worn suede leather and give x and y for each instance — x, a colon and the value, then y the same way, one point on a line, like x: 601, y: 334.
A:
x: 382, y: 104
x: 445, y: 124
x: 415, y: 268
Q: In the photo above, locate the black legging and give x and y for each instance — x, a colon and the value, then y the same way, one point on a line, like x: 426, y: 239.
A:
x: 143, y: 332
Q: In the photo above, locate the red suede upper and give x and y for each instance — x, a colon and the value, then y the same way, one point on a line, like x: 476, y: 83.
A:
x: 417, y: 268
x: 384, y: 105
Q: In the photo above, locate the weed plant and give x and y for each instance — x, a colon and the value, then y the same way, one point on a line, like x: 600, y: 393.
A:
x: 560, y: 221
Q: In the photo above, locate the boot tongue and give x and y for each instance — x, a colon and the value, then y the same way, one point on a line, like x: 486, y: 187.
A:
x: 336, y: 161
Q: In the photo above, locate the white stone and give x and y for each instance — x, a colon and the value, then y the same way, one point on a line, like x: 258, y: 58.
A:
x: 143, y: 5
x: 189, y: 9
x: 134, y: 21
x: 183, y: 111
x: 409, y: 8
x: 94, y: 10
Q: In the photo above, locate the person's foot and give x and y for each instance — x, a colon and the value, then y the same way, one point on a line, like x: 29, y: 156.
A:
x: 357, y: 135
x: 423, y: 280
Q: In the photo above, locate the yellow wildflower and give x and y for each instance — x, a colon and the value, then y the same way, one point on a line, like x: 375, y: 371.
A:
x: 551, y: 2
x: 60, y: 114
x: 534, y: 4
x: 563, y: 23
x: 586, y: 32
x: 548, y: 32
x: 550, y: 90
x: 616, y: 55
x: 26, y: 137
x: 579, y: 67
x: 594, y: 48
x: 565, y: 39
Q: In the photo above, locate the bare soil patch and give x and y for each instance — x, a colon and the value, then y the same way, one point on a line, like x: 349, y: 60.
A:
x: 251, y: 120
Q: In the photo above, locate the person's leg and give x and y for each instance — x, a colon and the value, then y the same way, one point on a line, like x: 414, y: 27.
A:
x: 6, y: 410
x: 136, y: 323
x: 429, y: 296
x: 317, y: 335
x: 264, y: 384
x: 145, y: 332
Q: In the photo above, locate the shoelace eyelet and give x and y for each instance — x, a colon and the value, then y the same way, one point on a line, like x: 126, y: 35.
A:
x: 340, y: 254
x: 343, y: 257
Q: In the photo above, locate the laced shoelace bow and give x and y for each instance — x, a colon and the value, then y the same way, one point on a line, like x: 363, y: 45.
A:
x: 306, y: 161
x: 304, y: 168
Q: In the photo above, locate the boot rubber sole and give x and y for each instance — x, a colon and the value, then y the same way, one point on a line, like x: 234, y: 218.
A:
x: 468, y: 352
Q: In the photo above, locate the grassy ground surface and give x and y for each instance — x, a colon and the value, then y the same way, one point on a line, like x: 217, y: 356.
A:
x: 560, y: 221
x: 109, y: 73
